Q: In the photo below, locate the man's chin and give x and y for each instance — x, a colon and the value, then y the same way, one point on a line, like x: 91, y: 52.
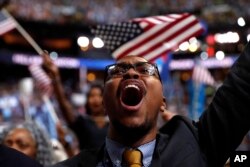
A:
x: 132, y: 129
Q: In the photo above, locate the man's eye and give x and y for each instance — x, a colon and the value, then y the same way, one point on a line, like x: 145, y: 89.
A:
x: 116, y: 71
x: 145, y: 69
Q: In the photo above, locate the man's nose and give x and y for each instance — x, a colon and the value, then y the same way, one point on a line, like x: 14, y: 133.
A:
x: 131, y: 74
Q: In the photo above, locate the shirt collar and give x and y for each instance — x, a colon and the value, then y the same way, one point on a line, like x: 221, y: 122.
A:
x: 116, y: 149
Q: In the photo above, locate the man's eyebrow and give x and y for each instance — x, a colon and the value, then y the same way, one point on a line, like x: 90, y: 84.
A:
x: 122, y: 63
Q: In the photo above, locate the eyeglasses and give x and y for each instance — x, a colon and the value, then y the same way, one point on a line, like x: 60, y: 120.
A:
x: 143, y: 68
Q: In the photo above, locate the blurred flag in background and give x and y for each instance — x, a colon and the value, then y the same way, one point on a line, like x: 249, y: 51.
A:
x: 45, y: 115
x: 197, y: 99
x: 197, y: 90
x: 167, y: 81
x: 6, y: 23
x: 42, y: 80
x: 149, y: 37
x: 202, y: 75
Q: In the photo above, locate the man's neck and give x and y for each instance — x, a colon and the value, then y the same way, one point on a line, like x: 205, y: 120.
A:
x: 132, y: 139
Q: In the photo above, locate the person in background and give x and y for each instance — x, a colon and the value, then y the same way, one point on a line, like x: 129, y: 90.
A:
x: 132, y: 99
x: 29, y: 139
x: 90, y: 129
x: 68, y: 140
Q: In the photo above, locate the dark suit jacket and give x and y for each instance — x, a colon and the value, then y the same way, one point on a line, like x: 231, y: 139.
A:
x: 12, y: 158
x: 182, y: 149
x: 207, y: 142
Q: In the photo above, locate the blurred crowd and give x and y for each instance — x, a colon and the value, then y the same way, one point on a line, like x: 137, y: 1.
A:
x: 28, y: 122
x: 96, y: 11
x: 93, y: 11
x: 47, y: 121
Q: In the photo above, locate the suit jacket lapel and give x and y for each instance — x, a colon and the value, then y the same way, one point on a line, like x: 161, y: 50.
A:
x: 161, y: 143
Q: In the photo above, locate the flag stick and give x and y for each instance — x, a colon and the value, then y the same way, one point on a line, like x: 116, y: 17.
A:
x: 24, y: 33
x: 39, y: 51
x: 51, y: 109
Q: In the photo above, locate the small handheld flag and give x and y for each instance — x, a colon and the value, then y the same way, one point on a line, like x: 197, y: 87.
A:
x: 7, y: 23
x: 44, y: 85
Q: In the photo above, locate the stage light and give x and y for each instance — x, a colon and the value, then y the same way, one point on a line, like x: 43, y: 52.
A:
x: 97, y: 42
x: 220, y: 55
x: 241, y: 22
x: 83, y: 41
x: 229, y: 37
x: 184, y: 46
x: 204, y: 55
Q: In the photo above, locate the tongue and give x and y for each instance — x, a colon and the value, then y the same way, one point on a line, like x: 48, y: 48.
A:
x: 131, y: 96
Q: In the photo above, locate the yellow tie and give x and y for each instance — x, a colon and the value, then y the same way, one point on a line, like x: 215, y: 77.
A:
x: 132, y: 158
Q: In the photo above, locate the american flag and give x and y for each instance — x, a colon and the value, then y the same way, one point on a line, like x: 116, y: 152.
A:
x: 149, y: 37
x: 6, y: 23
x: 202, y: 75
x: 42, y: 80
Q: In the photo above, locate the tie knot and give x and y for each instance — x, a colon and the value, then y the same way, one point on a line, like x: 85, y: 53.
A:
x: 132, y: 158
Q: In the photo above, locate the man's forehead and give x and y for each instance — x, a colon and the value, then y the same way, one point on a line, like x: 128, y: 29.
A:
x: 131, y: 59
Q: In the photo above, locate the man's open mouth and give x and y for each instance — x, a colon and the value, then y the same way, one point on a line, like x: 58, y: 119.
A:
x: 132, y: 93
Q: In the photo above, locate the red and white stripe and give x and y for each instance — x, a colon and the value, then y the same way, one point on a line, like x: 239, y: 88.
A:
x: 161, y: 35
x: 6, y: 24
x: 42, y: 80
x: 202, y: 75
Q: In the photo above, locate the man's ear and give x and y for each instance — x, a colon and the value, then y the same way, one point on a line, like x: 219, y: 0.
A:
x: 166, y: 115
x: 163, y: 105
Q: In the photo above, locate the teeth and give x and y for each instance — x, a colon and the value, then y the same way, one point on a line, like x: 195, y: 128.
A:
x: 132, y: 86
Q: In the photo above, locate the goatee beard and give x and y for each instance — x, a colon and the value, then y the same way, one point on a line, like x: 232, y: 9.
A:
x: 132, y: 133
